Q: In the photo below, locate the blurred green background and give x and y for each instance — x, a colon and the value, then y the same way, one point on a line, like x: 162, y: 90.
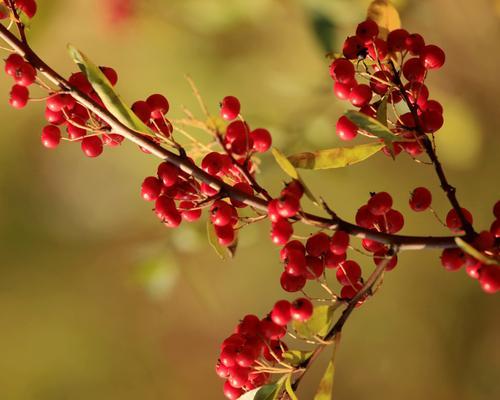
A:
x: 99, y: 301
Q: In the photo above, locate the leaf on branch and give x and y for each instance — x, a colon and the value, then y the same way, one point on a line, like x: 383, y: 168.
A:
x: 223, y: 252
x: 289, y: 389
x: 266, y: 392
x: 373, y: 127
x: 338, y: 157
x: 323, y: 28
x: 385, y: 15
x: 107, y: 94
x: 382, y: 111
x: 325, y: 388
x: 318, y: 325
x: 467, y: 248
x: 290, y: 170
x: 296, y: 357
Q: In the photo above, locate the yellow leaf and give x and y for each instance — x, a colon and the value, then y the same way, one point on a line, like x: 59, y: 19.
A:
x: 385, y: 15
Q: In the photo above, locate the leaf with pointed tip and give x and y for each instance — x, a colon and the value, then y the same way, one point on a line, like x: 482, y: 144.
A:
x: 290, y: 170
x: 318, y: 325
x: 325, y: 388
x: 107, y: 94
x: 296, y: 357
x: 385, y: 15
x: 467, y: 248
x: 382, y: 111
x: 338, y: 157
x: 289, y: 389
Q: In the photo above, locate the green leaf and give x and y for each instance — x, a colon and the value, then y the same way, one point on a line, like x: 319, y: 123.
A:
x: 318, y: 325
x: 289, y: 389
x: 385, y: 15
x: 296, y: 357
x: 467, y: 248
x: 223, y: 252
x: 338, y: 157
x: 323, y: 28
x: 382, y: 111
x: 290, y: 170
x: 266, y: 392
x: 325, y: 388
x: 104, y: 89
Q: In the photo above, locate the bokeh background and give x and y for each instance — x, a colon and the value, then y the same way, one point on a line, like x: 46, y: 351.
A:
x: 99, y: 301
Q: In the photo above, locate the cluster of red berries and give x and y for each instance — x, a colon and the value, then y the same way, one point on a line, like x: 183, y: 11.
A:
x: 257, y: 339
x: 367, y: 56
x: 28, y: 7
x: 24, y: 75
x: 485, y: 242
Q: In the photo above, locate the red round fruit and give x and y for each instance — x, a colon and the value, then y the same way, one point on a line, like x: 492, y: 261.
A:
x: 452, y: 259
x: 158, y: 104
x: 301, y: 309
x: 151, y: 188
x: 318, y: 244
x: 348, y: 273
x: 291, y: 283
x: 414, y: 43
x: 92, y: 146
x: 360, y: 95
x: 342, y: 70
x: 432, y: 121
x: 281, y: 232
x: 51, y: 136
x: 396, y: 40
x: 230, y: 108
x: 414, y: 70
x: 339, y: 243
x: 489, y: 278
x: 19, y: 96
x: 346, y: 129
x: 421, y: 199
x: 432, y: 57
x: 261, y: 139
x: 281, y: 313
x: 453, y: 220
x: 380, y: 203
x: 353, y: 47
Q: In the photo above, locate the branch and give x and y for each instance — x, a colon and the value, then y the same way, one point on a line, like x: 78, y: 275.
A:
x: 403, y: 242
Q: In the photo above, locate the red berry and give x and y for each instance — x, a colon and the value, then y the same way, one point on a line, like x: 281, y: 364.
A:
x: 236, y: 130
x: 380, y: 87
x: 222, y: 213
x: 473, y: 270
x: 339, y: 243
x: 189, y: 212
x: 55, y: 118
x: 414, y: 44
x: 452, y: 259
x: 79, y: 81
x: 222, y: 370
x: 225, y: 234
x: 291, y: 283
x: 495, y: 228
x: 380, y: 203
x: 293, y: 245
x: 318, y: 244
x: 343, y: 90
x: 13, y: 63
x: 230, y: 108
x: 381, y: 257
x: 432, y: 57
x: 314, y: 267
x: 231, y: 392
x: 367, y: 29
x: 261, y: 140
x: 346, y: 129
x: 158, y: 105
x: 353, y: 47
x: 372, y: 245
x: 281, y: 313
x: 333, y: 261
x: 365, y: 218
x: 28, y: 7
x: 75, y: 132
x: 484, y: 241
x: 281, y: 232
x: 51, y: 136
x: 421, y: 199
x: 432, y: 121
x: 168, y: 174
x: 25, y: 75
x: 58, y: 102
x: 272, y: 211
x: 342, y: 71
x: 214, y: 163
x: 396, y: 40
x: 360, y: 95
x: 92, y: 146
x: 112, y: 139
x: 377, y: 50
x: 242, y: 187
x: 348, y: 273
x: 453, y: 221
x: 496, y: 209
x: 489, y: 278
x: 301, y: 310
x: 395, y: 221
x: 142, y: 110
x: 414, y: 70
x: 19, y: 96
x: 151, y: 188
x: 288, y: 206
x: 110, y: 74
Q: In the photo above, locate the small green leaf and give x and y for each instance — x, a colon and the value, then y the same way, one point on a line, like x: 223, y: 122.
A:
x: 323, y: 28
x: 290, y: 170
x: 318, y: 325
x: 382, y: 111
x: 467, y: 248
x: 289, y: 389
x: 223, y: 252
x: 325, y: 388
x: 296, y: 357
x: 335, y: 158
x: 104, y: 89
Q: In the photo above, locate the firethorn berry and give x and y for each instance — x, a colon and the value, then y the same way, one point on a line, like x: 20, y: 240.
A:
x: 112, y: 139
x: 242, y: 187
x: 288, y: 206
x: 339, y: 243
x: 343, y: 90
x: 417, y: 92
x: 293, y: 245
x: 314, y: 267
x: 92, y: 146
x: 281, y: 232
x: 271, y: 330
x: 225, y: 234
x: 80, y: 81
x: 365, y: 218
x: 19, y: 96
x: 432, y: 121
x: 484, y: 241
x: 473, y: 270
x: 394, y: 221
x: 377, y: 49
x: 293, y: 188
x: 28, y: 7
x: 348, y: 273
x: 360, y: 95
x: 495, y: 228
x: 432, y: 105
x: 55, y: 118
x: 281, y: 313
x: 151, y: 188
x: 318, y: 244
x: 291, y: 283
x: 168, y: 173
x: 414, y: 43
x: 230, y: 108
x: 372, y: 245
x: 342, y: 70
x: 13, y: 63
x: 377, y: 82
x: 381, y: 256
x: 421, y: 199
x: 222, y: 213
x: 110, y: 74
x: 25, y: 75
x: 380, y: 203
x: 301, y: 309
x: 348, y: 291
x: 51, y: 136
x: 231, y: 392
x: 452, y: 259
x: 489, y: 278
x: 261, y: 139
x: 367, y: 30
x: 346, y: 129
x: 453, y: 220
x: 353, y: 48
x: 142, y: 110
x: 58, y: 102
x: 496, y: 209
x: 214, y: 163
x: 432, y: 57
x: 236, y: 130
x: 333, y: 261
x: 295, y: 263
x: 272, y: 211
x: 158, y: 105
x: 414, y: 70
x: 396, y: 40
x: 222, y: 370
